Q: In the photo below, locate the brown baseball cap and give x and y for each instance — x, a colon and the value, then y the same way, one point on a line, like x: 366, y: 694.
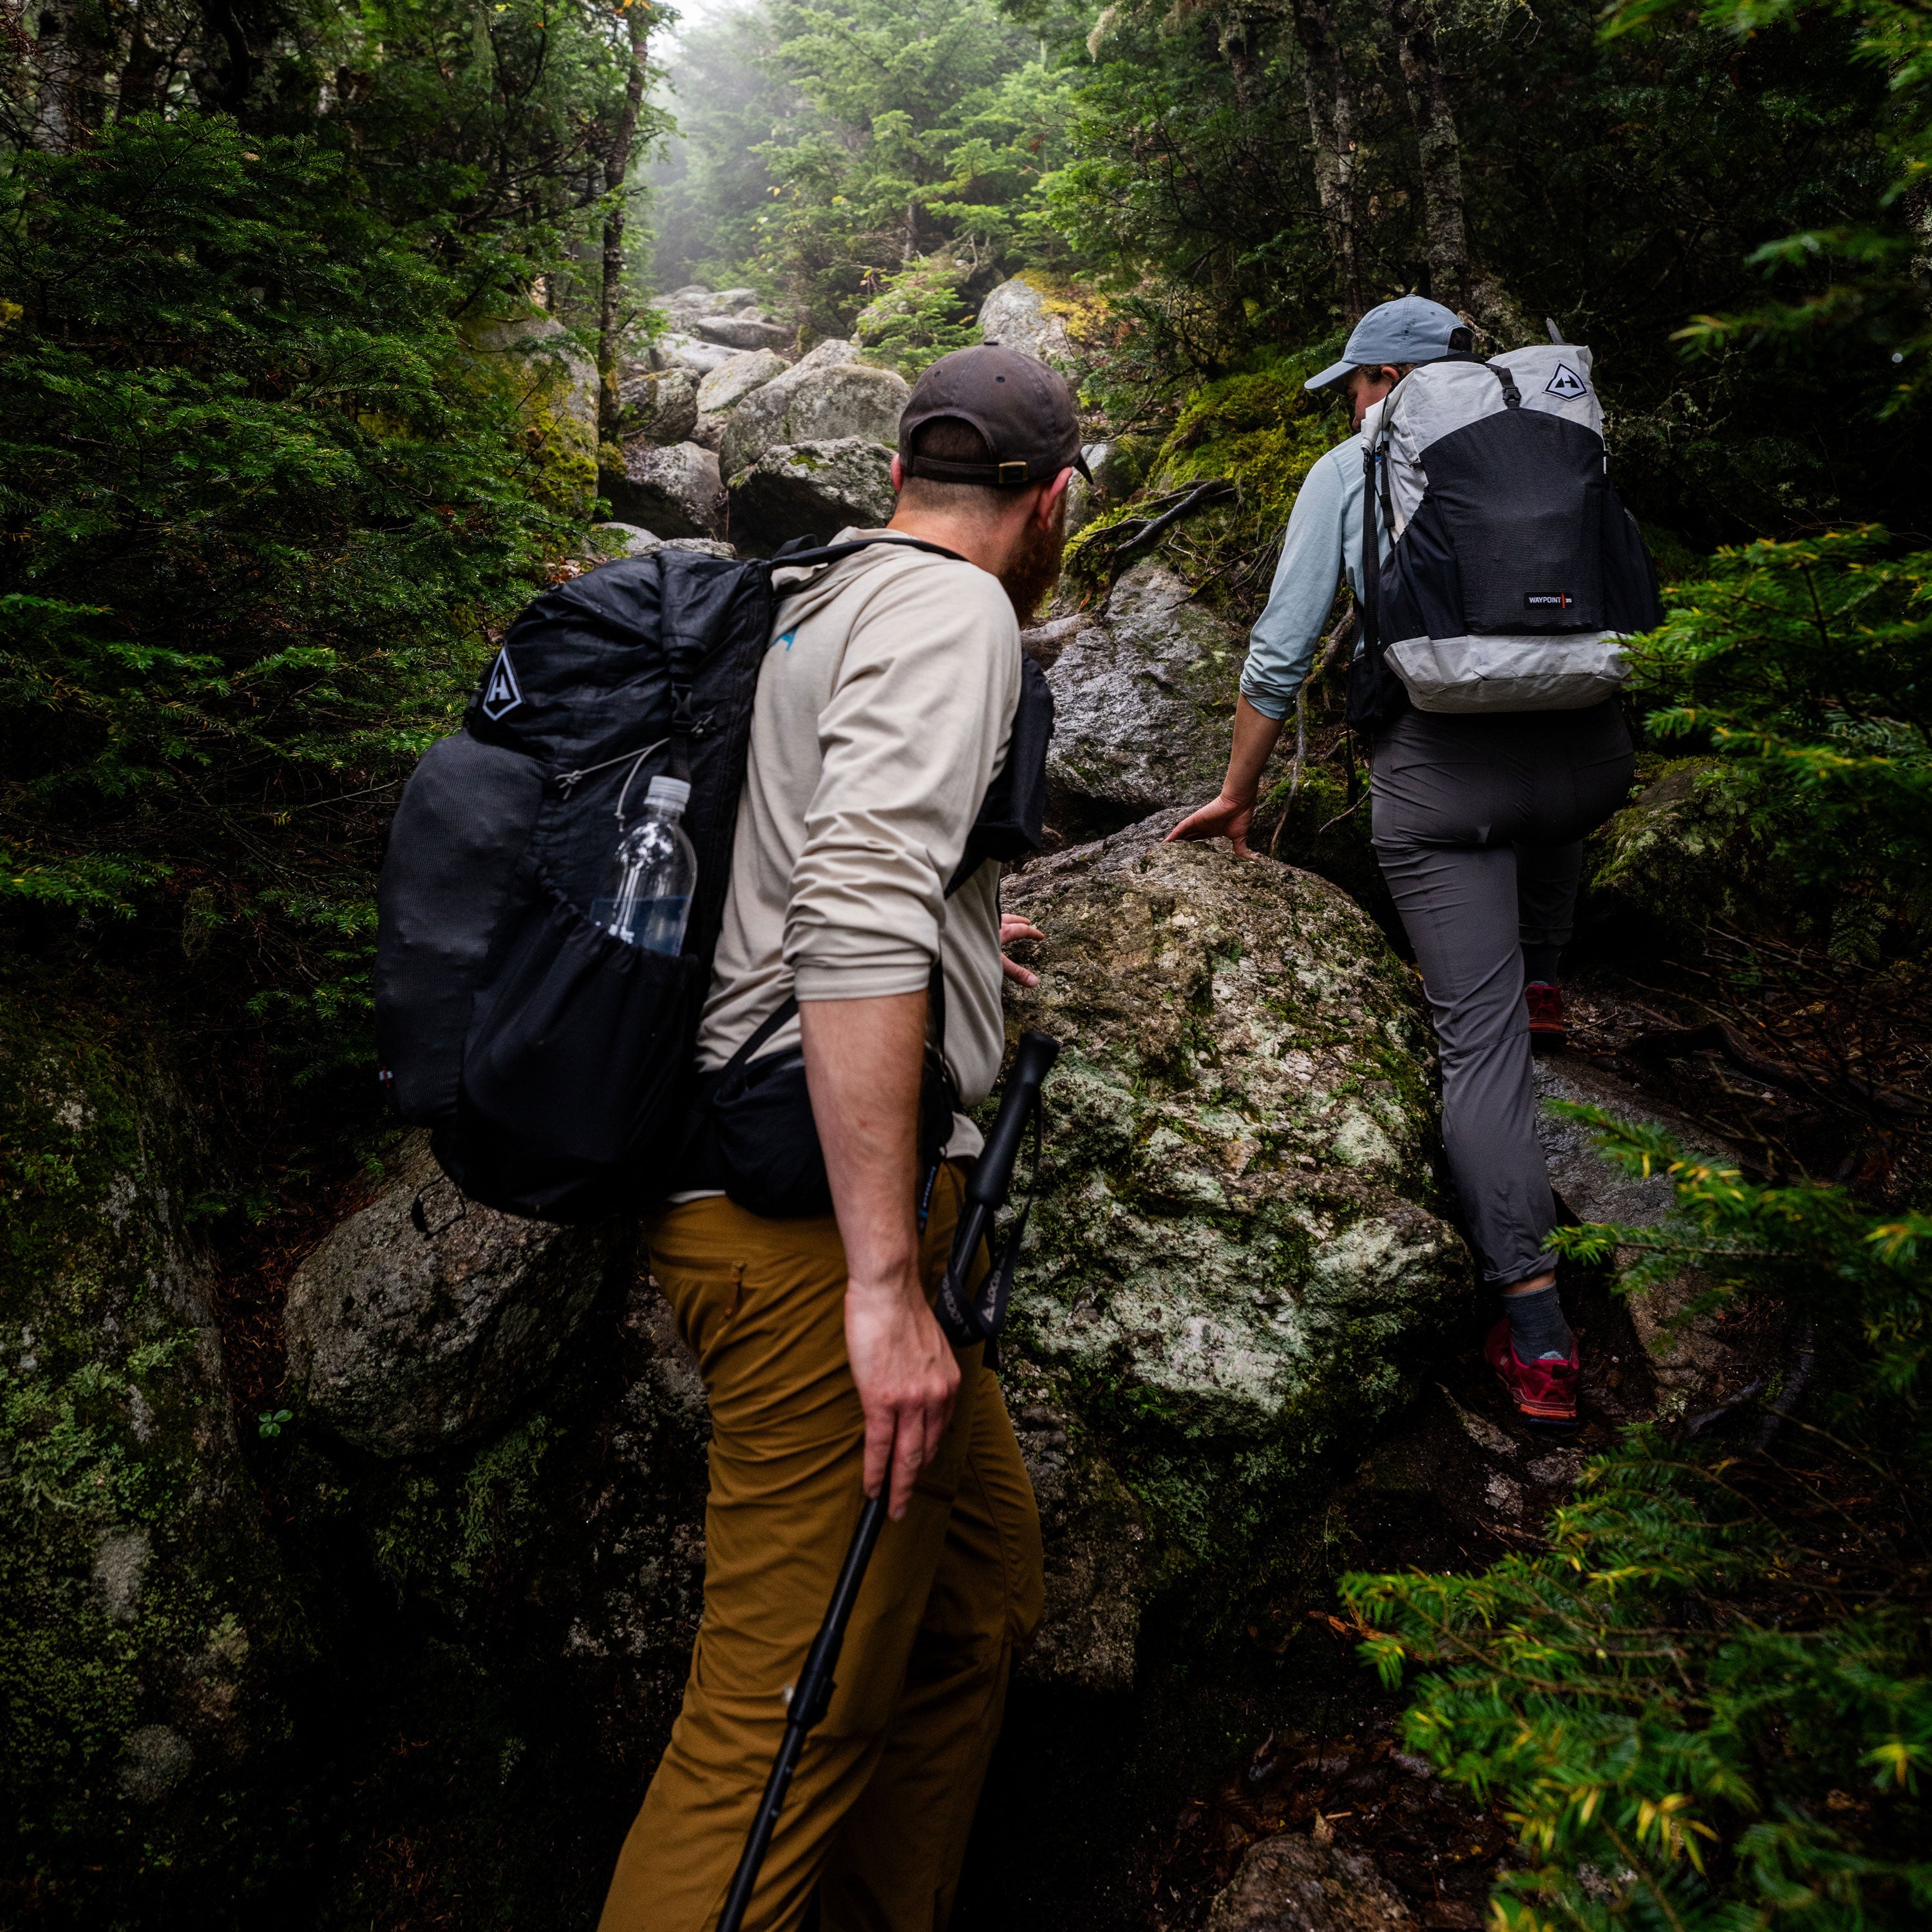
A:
x: 1023, y: 409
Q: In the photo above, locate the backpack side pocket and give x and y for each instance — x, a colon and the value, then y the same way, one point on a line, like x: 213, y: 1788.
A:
x: 580, y: 1046
x: 448, y: 890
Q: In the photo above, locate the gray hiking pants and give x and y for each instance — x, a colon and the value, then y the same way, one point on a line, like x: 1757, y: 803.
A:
x: 1479, y: 824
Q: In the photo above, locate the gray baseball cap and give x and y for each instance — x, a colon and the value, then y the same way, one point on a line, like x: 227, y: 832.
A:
x: 1412, y: 328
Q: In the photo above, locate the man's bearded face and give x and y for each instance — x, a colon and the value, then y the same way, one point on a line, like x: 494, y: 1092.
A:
x: 1034, y: 568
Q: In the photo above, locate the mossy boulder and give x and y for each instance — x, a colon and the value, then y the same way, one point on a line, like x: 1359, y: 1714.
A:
x: 536, y: 360
x: 1240, y: 1252
x: 1258, y: 429
x: 146, y: 1624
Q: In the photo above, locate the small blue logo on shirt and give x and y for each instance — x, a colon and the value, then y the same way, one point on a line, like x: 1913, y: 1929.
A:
x: 786, y: 639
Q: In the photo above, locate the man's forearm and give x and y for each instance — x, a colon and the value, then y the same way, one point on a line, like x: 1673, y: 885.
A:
x: 862, y: 1059
x: 1255, y: 736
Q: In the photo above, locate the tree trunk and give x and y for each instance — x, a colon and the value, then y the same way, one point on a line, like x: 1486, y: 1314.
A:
x: 1453, y: 279
x: 139, y: 71
x: 616, y: 167
x: 1331, y: 126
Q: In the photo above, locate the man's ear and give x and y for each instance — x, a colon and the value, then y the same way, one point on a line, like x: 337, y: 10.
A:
x: 1048, y: 506
x: 898, y: 476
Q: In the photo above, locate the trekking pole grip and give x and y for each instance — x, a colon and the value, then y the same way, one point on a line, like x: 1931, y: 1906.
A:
x: 993, y: 1171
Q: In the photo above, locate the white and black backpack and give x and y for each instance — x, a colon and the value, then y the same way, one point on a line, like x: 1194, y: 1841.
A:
x: 1500, y: 570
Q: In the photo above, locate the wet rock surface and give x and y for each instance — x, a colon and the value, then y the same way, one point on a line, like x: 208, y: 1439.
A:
x: 817, y: 401
x: 1094, y: 1539
x: 1294, y: 1884
x: 1694, y: 1363
x: 1239, y: 1239
x: 424, y: 1319
x: 674, y: 492
x: 811, y: 489
x: 1143, y: 706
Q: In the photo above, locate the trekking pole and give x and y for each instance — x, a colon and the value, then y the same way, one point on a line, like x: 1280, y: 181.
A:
x: 812, y: 1696
x: 810, y: 1699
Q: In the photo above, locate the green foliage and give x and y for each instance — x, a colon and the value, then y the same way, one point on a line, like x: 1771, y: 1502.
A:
x: 263, y: 505
x: 1803, y: 666
x: 835, y: 151
x: 1708, y: 1707
x: 1856, y: 282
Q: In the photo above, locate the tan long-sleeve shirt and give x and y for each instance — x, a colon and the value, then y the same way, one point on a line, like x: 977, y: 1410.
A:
x: 884, y: 706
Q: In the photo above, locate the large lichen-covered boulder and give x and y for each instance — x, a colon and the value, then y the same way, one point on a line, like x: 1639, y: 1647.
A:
x: 1143, y: 706
x: 676, y: 491
x: 660, y: 405
x: 814, y: 401
x: 425, y: 1319
x: 146, y: 1620
x: 731, y: 383
x: 811, y: 489
x: 743, y: 332
x: 1018, y: 314
x: 1239, y: 1253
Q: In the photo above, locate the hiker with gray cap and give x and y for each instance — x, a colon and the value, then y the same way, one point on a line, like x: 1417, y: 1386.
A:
x: 862, y: 929
x: 1496, y: 574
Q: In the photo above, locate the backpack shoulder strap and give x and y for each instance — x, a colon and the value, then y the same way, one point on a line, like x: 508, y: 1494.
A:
x: 812, y: 555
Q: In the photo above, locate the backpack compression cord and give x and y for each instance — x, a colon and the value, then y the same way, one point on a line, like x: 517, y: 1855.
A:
x: 812, y: 1696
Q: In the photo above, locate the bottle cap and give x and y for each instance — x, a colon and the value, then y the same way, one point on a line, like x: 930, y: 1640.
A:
x: 675, y: 793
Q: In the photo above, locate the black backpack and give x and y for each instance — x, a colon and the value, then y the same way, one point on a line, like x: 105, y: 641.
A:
x: 1500, y: 572
x: 554, y: 1062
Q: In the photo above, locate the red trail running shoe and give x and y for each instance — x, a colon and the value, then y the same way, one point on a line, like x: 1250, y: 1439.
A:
x: 1547, y: 1033
x: 1544, y: 1392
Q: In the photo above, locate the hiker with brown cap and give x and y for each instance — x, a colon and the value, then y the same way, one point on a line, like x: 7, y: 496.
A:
x: 884, y: 709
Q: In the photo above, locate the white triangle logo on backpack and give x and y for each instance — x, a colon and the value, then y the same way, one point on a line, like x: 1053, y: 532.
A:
x: 503, y: 694
x: 1566, y: 383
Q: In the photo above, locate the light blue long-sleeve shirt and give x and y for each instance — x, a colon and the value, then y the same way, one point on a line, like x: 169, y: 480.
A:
x: 1324, y: 540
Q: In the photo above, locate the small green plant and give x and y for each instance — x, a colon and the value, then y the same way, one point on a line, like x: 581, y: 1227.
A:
x: 1708, y: 1708
x: 269, y: 1422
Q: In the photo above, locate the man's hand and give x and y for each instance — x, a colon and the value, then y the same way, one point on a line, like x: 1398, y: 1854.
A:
x: 906, y: 1379
x: 1224, y: 817
x: 862, y: 1059
x: 1012, y: 928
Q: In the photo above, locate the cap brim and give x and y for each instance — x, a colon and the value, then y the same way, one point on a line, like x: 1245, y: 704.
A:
x: 1080, y: 464
x: 1332, y: 373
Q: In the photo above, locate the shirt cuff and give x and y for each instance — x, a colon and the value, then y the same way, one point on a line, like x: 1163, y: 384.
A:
x: 1269, y: 704
x: 868, y: 982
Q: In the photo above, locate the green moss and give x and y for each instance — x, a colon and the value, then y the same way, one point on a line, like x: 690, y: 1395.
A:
x: 443, y: 1531
x: 134, y: 1592
x: 1259, y: 430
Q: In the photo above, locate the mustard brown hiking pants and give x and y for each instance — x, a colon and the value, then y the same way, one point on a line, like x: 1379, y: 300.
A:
x: 878, y: 1816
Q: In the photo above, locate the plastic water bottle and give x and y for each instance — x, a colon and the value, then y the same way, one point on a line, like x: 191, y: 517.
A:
x: 657, y: 870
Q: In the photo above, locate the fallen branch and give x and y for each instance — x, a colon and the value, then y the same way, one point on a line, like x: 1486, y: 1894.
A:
x: 1138, y: 532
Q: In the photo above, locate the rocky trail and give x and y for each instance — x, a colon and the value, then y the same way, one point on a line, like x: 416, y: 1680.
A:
x: 373, y: 1546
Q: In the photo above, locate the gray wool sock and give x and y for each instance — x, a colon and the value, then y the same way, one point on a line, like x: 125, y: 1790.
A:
x: 1537, y: 1330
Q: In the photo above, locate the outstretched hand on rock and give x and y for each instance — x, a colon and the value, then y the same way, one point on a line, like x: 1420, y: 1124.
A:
x: 1012, y: 928
x: 1223, y: 817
